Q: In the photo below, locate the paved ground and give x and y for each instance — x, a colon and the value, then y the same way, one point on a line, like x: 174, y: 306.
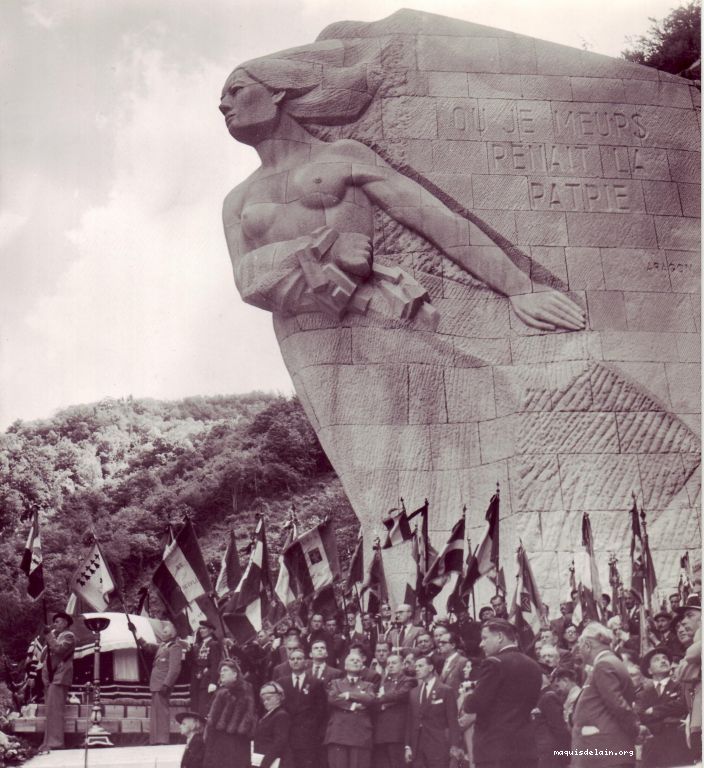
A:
x: 115, y: 757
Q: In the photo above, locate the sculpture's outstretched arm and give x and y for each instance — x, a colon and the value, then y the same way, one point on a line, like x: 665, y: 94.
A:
x: 460, y: 240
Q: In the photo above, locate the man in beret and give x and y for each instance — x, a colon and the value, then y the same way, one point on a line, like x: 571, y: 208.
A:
x: 661, y: 708
x: 57, y: 675
x: 191, y: 725
x: 507, y: 691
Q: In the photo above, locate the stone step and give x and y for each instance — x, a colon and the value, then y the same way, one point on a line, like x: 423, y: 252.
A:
x: 115, y: 757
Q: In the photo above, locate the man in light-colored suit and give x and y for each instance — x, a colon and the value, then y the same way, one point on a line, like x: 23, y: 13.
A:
x: 57, y: 674
x: 405, y: 632
x: 166, y: 668
x: 451, y: 672
x: 604, y: 719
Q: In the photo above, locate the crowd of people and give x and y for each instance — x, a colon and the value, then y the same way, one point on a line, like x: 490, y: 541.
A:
x: 484, y: 693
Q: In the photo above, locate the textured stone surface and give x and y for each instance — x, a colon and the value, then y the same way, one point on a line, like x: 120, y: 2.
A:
x: 585, y: 170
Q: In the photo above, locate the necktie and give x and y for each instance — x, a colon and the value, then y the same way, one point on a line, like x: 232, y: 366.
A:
x: 318, y: 671
x: 401, y: 635
x: 297, y: 684
x: 422, y: 693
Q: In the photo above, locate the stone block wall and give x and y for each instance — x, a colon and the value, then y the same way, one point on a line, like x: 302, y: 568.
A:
x: 586, y: 168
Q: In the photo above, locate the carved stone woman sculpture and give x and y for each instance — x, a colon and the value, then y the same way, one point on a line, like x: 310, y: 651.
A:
x: 409, y: 346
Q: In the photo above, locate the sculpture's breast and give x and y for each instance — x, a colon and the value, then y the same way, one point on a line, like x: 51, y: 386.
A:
x: 258, y: 218
x: 319, y: 185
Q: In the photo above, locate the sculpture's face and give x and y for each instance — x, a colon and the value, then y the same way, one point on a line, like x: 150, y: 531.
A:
x: 250, y: 108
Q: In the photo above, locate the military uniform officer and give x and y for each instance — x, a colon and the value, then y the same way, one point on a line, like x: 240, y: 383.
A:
x: 349, y: 730
x: 206, y: 658
x: 507, y: 691
x: 166, y: 668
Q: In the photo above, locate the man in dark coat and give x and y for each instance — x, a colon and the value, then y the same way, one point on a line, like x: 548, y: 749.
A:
x: 304, y: 700
x: 349, y: 730
x: 432, y: 730
x: 206, y: 656
x: 191, y: 725
x: 391, y: 710
x: 604, y: 719
x: 319, y: 667
x: 662, y: 709
x: 507, y: 691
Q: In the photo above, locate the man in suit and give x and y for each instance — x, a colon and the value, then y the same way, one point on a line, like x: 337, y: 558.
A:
x: 661, y: 709
x: 368, y: 636
x: 166, y: 668
x: 292, y: 643
x: 404, y: 634
x: 432, y: 730
x: 349, y: 731
x: 507, y: 690
x: 338, y: 643
x: 391, y: 710
x: 319, y: 667
x: 604, y: 718
x: 452, y: 669
x: 304, y: 700
x: 381, y: 655
x: 57, y: 676
x: 206, y: 656
x: 191, y: 725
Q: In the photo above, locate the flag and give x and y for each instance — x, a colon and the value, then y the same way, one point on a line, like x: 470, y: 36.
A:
x: 282, y: 590
x: 527, y: 609
x: 356, y: 572
x: 308, y: 564
x: 182, y: 576
x: 250, y: 603
x: 143, y: 606
x: 637, y: 554
x: 618, y: 605
x: 375, y: 583
x: 684, y: 585
x: 424, y: 554
x: 650, y: 580
x: 230, y: 569
x: 485, y: 560
x: 587, y: 577
x: 450, y: 559
x: 93, y: 582
x: 32, y: 559
x: 398, y: 529
x: 398, y: 525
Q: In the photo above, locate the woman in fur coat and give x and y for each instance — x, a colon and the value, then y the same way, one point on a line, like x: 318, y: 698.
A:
x: 231, y: 721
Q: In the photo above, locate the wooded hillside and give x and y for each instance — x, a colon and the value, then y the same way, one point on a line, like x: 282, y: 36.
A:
x: 127, y: 468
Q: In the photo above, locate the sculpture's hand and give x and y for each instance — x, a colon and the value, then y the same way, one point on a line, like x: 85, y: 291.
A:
x: 548, y: 310
x: 352, y: 252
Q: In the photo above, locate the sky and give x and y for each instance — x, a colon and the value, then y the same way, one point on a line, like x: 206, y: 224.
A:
x: 114, y: 275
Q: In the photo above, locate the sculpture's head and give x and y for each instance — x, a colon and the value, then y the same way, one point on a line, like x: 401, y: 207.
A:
x: 311, y: 92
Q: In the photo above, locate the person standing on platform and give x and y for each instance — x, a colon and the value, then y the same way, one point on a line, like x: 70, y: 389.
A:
x: 604, y: 717
x: 166, y: 668
x: 231, y: 720
x: 57, y: 676
x: 507, y: 691
x: 206, y: 658
x: 349, y: 731
x: 190, y: 725
x: 433, y: 735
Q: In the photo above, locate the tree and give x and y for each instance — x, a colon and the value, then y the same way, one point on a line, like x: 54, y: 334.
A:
x: 672, y: 45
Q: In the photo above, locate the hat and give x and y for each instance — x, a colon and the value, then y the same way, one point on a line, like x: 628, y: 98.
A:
x: 662, y: 615
x: 63, y: 615
x: 645, y: 661
x: 181, y: 716
x: 207, y: 624
x: 693, y: 603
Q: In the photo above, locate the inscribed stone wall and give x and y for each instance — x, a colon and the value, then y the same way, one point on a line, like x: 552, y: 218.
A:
x: 586, y: 170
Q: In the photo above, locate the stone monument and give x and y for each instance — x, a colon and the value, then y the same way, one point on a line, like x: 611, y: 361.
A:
x: 481, y: 252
